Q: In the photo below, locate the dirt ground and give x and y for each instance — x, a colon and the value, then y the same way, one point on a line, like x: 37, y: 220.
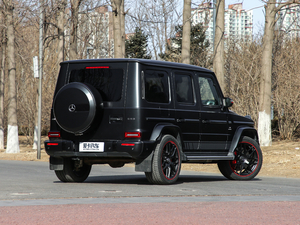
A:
x: 282, y: 159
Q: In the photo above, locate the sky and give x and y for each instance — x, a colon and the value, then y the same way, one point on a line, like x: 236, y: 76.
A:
x: 258, y: 13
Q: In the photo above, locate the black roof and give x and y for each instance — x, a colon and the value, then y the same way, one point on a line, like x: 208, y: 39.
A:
x: 142, y: 61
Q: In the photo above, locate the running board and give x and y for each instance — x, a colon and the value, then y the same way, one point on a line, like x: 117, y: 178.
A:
x: 207, y: 158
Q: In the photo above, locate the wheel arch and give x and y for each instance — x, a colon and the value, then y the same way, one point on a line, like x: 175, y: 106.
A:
x: 241, y: 132
x: 163, y: 129
x: 145, y: 164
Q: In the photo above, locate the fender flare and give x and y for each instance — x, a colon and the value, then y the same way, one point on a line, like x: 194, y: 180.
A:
x: 145, y: 164
x: 166, y: 128
x: 240, y: 132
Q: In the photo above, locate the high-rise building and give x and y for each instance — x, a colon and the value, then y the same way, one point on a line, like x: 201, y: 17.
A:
x: 238, y: 22
x: 95, y: 32
x: 288, y: 21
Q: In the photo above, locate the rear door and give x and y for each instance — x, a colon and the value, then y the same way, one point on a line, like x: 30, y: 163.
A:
x: 187, y: 110
x: 155, y: 106
x: 109, y: 79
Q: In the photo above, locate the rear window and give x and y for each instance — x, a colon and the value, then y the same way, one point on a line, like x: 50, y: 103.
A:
x: 109, y: 82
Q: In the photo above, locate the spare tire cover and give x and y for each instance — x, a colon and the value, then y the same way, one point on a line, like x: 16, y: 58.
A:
x: 75, y: 107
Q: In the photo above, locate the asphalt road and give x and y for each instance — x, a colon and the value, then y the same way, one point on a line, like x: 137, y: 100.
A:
x: 30, y: 187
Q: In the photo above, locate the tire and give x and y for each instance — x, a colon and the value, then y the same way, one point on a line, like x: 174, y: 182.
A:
x: 76, y: 107
x: 72, y: 174
x: 247, y: 163
x: 166, y: 162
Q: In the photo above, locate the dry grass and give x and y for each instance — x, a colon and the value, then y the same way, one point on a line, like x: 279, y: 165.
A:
x: 282, y: 159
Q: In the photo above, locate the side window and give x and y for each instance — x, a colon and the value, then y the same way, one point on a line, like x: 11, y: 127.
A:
x: 208, y: 92
x: 156, y: 86
x: 184, y: 89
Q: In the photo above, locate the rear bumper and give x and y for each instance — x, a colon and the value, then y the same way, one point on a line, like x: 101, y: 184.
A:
x: 112, y: 149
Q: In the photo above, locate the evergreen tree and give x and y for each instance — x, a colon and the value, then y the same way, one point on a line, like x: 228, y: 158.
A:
x: 199, y: 46
x: 136, y: 45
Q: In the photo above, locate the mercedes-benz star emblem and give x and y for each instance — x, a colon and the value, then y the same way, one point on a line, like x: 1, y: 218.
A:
x: 72, y: 108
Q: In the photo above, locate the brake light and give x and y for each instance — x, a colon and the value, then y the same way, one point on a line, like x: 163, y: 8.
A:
x: 53, y: 134
x: 132, y: 134
x: 52, y: 144
x: 96, y: 67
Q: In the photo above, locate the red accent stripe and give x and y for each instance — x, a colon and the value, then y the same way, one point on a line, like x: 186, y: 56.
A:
x: 97, y: 67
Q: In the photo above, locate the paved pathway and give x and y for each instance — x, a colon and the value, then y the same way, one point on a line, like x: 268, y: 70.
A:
x: 31, y: 194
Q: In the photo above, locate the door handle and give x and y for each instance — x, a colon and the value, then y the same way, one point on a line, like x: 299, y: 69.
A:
x: 206, y: 121
x: 181, y: 120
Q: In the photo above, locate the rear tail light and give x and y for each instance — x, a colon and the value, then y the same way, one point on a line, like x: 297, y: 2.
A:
x: 53, y: 134
x: 132, y: 134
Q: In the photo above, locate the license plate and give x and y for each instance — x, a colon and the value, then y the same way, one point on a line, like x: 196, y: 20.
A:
x: 91, y: 146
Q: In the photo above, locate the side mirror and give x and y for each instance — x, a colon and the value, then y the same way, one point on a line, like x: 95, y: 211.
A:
x: 228, y: 102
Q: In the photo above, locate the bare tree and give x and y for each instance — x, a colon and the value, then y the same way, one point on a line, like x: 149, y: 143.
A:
x: 157, y: 19
x: 2, y: 74
x: 218, y: 60
x: 242, y: 76
x: 117, y: 24
x: 95, y: 33
x: 186, y: 32
x: 264, y: 116
x: 75, y: 4
x: 12, y: 129
x: 60, y: 30
x: 123, y: 27
x: 285, y: 88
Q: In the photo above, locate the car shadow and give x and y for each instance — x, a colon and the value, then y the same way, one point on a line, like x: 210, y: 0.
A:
x: 142, y: 180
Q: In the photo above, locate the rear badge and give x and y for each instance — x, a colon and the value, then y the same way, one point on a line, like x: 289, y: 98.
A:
x: 72, y: 108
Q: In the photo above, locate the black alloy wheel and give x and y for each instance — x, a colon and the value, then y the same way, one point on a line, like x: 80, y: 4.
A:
x: 170, y: 160
x: 247, y: 162
x: 166, y: 163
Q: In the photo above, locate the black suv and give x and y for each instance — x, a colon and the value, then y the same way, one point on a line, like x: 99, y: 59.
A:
x: 153, y: 113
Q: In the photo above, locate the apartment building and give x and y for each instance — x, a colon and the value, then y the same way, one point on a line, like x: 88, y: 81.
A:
x: 238, y: 22
x: 95, y: 33
x: 288, y: 21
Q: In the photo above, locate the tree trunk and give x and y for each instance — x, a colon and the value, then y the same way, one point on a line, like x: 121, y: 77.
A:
x: 186, y: 33
x: 265, y: 95
x: 122, y: 18
x: 2, y: 74
x: 12, y: 130
x: 218, y: 62
x: 60, y: 31
x: 74, y: 20
x: 117, y: 15
x: 264, y: 115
